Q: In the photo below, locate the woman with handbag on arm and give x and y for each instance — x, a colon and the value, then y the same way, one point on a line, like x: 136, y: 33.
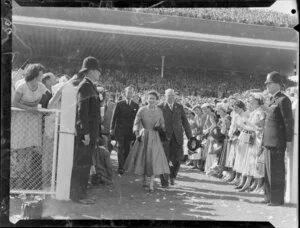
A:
x: 255, y: 125
x: 147, y: 157
x: 224, y: 124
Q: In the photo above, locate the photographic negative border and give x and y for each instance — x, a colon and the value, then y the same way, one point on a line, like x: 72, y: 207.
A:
x: 6, y: 60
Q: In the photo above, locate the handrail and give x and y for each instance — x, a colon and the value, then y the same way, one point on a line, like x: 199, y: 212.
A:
x: 39, y: 110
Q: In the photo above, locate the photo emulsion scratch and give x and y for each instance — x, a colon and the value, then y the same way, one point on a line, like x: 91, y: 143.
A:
x: 154, y: 114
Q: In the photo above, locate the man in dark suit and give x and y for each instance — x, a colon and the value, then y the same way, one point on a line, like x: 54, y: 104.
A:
x: 175, y: 122
x: 277, y: 137
x: 122, y: 126
x: 88, y: 121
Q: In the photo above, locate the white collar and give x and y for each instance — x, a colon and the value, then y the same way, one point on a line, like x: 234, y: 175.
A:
x: 128, y: 101
x: 170, y: 105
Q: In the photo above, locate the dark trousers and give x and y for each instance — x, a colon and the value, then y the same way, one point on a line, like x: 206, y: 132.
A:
x: 82, y: 162
x: 174, y: 153
x: 123, y: 150
x: 274, y: 175
x: 107, y: 138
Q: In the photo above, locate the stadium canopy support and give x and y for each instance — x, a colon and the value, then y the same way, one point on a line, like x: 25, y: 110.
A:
x: 162, y: 66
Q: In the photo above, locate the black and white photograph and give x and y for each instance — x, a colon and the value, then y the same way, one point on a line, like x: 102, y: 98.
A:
x: 154, y: 113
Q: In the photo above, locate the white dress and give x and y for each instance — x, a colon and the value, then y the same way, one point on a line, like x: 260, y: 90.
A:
x: 254, y: 165
x: 231, y: 146
x: 243, y: 142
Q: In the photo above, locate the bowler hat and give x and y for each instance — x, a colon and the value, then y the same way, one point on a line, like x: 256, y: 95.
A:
x: 89, y: 63
x: 274, y: 77
x: 193, y: 144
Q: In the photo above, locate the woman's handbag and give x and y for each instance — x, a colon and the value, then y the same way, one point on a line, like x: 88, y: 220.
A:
x: 252, y: 138
x: 216, y: 148
x: 217, y: 135
x: 162, y: 133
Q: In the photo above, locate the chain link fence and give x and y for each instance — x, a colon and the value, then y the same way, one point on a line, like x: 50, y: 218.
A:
x: 33, y: 151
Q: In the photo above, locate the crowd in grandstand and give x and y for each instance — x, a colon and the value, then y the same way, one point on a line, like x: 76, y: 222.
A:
x: 190, y: 83
x: 238, y: 15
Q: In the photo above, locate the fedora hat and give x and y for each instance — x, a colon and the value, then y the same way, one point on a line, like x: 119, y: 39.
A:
x: 89, y: 63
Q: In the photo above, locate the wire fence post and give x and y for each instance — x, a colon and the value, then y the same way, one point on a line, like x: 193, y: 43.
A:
x: 55, y: 147
x: 66, y: 142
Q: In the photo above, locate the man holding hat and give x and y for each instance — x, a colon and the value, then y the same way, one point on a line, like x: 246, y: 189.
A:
x: 88, y: 121
x: 277, y: 137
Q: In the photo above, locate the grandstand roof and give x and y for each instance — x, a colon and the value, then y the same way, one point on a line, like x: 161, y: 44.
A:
x: 70, y: 40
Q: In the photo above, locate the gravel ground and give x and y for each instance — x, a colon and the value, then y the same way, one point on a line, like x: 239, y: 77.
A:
x: 193, y: 197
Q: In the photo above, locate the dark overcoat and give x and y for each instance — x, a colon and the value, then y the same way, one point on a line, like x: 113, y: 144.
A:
x: 175, y: 123
x: 279, y: 122
x: 277, y: 132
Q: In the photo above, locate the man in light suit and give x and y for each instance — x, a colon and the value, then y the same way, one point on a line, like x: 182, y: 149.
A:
x: 277, y: 137
x: 175, y: 122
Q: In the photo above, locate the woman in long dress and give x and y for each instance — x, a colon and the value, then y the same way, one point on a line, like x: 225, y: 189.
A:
x: 224, y: 124
x: 209, y: 124
x: 197, y: 130
x: 252, y: 163
x: 243, y: 140
x: 147, y: 157
x: 231, y: 176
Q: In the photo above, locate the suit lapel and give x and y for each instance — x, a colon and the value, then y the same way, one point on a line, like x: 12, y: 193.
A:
x: 174, y: 108
x: 274, y: 98
x: 167, y: 107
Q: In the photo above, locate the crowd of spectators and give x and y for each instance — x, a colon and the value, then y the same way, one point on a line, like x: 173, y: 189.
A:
x: 238, y: 15
x: 186, y: 82
x: 192, y: 86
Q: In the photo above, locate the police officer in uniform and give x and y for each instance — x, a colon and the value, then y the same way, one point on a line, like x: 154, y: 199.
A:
x: 277, y: 137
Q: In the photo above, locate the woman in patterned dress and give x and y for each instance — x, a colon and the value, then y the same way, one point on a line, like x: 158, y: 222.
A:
x: 209, y: 124
x: 253, y: 166
x: 197, y: 130
x: 224, y: 124
x: 147, y: 157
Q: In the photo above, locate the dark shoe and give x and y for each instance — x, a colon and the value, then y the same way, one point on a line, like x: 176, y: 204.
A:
x: 244, y: 189
x: 120, y: 171
x: 165, y: 185
x: 85, y: 201
x: 274, y: 204
x: 238, y: 187
x: 172, y: 181
x: 230, y: 179
x: 264, y: 201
